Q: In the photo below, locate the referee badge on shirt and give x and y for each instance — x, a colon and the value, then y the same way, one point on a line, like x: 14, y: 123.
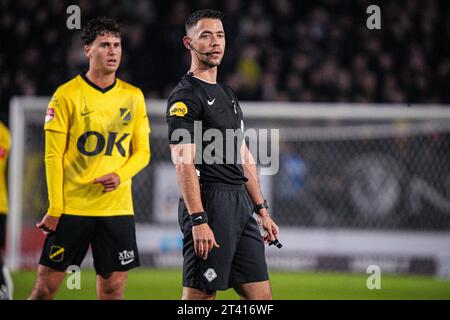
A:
x: 178, y: 109
x: 49, y: 115
x: 56, y: 253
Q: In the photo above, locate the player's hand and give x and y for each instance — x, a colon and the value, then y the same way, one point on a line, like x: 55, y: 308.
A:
x: 110, y: 181
x: 271, y: 228
x: 48, y: 224
x: 204, y: 240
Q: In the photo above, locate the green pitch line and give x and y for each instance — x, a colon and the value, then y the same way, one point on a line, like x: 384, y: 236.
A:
x: 166, y: 284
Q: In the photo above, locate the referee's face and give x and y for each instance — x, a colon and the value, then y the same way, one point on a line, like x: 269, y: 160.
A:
x: 105, y: 53
x: 208, y: 37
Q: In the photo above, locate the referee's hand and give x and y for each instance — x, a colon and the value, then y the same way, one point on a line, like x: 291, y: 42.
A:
x: 48, y: 224
x: 271, y: 228
x: 204, y: 240
x: 110, y: 181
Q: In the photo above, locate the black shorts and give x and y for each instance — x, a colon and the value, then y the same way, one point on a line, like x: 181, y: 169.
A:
x: 112, y: 240
x: 2, y: 231
x: 241, y: 256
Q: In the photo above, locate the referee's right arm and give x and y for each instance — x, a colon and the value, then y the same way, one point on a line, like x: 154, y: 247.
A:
x: 183, y: 156
x: 183, y: 109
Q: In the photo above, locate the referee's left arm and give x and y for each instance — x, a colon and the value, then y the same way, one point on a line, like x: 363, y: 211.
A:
x: 254, y: 191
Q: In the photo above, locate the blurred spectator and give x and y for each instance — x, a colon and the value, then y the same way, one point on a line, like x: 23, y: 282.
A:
x: 317, y: 51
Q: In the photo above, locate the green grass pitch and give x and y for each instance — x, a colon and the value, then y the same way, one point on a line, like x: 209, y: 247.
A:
x: 166, y: 285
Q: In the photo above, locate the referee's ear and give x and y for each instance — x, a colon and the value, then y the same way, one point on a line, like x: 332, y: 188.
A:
x: 187, y: 42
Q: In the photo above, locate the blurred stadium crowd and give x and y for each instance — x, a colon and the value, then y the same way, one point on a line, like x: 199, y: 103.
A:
x: 282, y: 50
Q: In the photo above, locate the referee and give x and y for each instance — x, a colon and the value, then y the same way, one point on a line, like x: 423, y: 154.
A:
x: 222, y: 244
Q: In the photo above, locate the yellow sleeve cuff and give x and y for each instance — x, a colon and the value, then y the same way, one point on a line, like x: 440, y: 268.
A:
x: 54, y: 213
x: 120, y: 174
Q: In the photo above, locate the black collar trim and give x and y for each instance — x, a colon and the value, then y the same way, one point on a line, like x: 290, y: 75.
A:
x: 93, y: 85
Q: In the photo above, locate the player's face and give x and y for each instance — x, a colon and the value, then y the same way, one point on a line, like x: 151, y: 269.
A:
x: 105, y: 53
x: 208, y: 36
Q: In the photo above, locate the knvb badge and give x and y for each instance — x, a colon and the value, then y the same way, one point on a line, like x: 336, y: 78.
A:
x: 50, y: 114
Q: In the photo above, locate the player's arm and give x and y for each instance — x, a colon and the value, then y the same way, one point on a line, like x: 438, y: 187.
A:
x: 140, y: 158
x: 55, y: 144
x: 135, y: 163
x: 5, y: 143
x: 56, y: 131
x: 254, y: 191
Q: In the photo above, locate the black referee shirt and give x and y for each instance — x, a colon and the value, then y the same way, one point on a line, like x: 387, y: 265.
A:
x: 217, y: 107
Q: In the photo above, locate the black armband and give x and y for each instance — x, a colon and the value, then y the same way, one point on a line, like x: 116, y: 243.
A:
x: 198, y: 218
x: 260, y: 206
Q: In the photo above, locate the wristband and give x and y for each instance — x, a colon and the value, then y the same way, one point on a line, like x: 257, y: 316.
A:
x: 260, y: 206
x: 198, y: 218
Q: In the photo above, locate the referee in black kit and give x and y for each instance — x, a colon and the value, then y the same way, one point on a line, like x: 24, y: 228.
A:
x: 222, y: 244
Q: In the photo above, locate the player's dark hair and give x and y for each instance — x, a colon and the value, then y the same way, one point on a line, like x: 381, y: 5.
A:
x: 196, y: 16
x: 100, y: 26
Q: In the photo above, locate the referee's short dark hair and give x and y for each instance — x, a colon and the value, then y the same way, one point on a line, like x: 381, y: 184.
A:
x: 196, y: 16
x: 99, y: 26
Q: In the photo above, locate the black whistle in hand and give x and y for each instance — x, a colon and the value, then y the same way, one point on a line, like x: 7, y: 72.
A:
x: 276, y: 243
